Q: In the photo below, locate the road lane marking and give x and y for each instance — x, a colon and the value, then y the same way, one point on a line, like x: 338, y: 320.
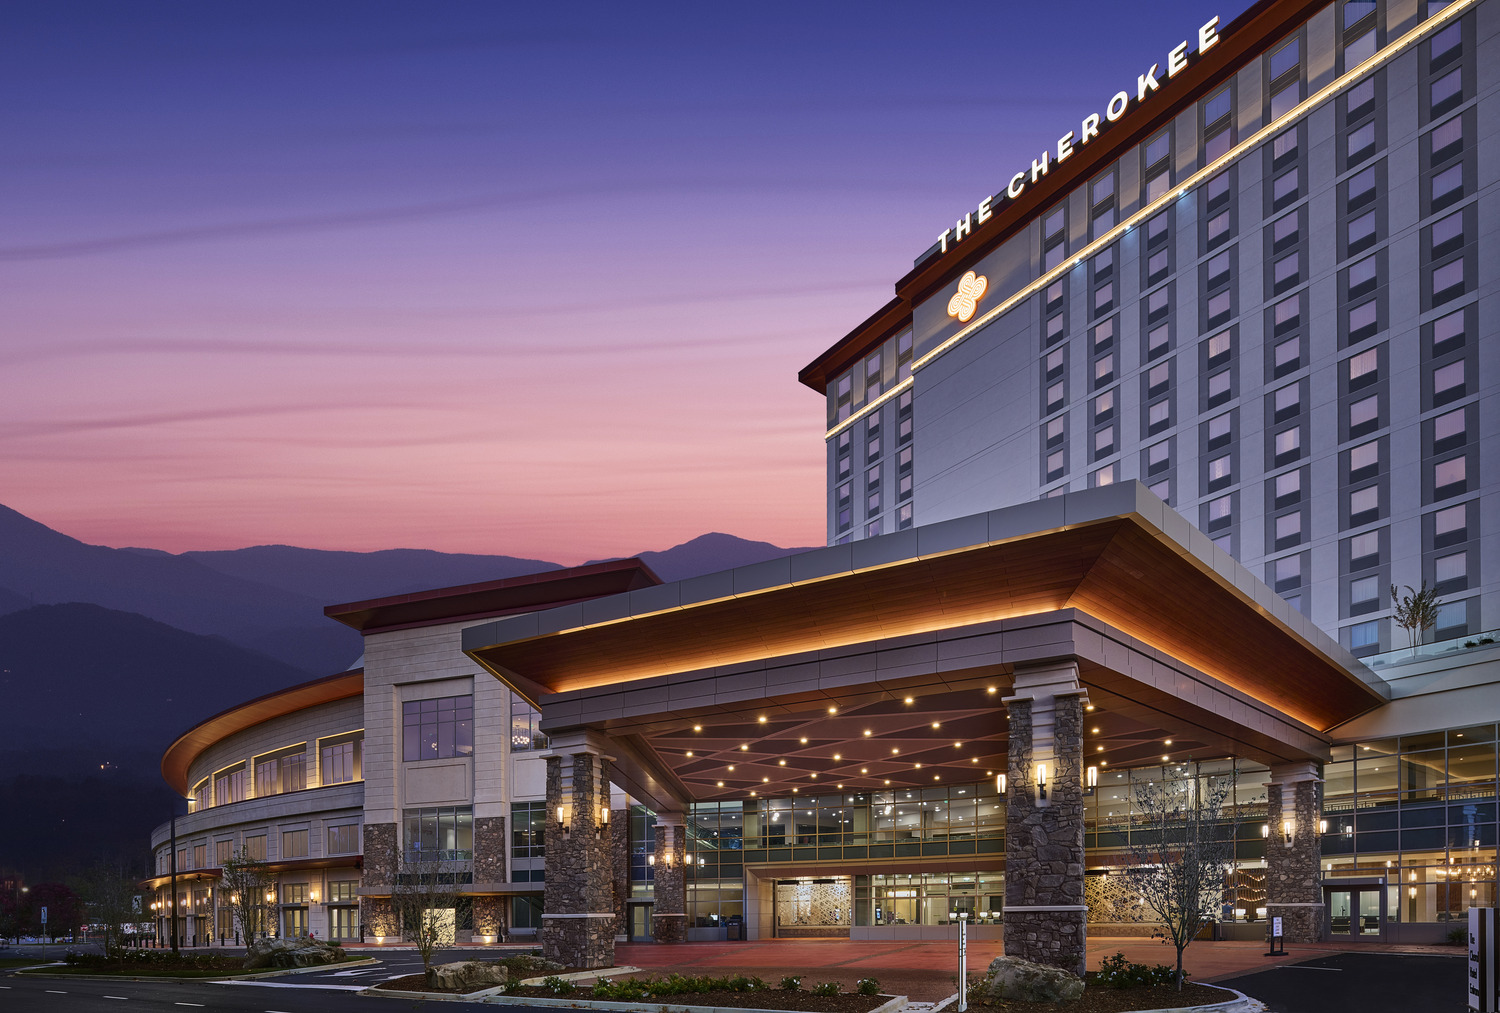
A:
x: 187, y: 1004
x: 53, y: 991
x: 117, y: 997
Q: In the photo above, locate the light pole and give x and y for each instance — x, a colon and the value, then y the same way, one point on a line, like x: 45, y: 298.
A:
x: 963, y: 961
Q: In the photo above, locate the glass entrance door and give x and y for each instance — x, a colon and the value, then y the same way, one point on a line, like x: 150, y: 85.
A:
x: 640, y: 923
x: 1354, y: 912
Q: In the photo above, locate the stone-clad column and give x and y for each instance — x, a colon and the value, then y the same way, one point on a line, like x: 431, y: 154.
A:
x: 619, y: 856
x: 578, y: 920
x: 1293, y: 888
x: 669, y: 911
x: 1045, y: 916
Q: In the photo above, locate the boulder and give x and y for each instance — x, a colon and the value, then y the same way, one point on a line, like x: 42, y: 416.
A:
x: 468, y: 975
x: 1014, y: 978
x: 300, y: 951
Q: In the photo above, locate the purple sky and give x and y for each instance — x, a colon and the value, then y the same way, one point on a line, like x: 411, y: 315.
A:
x: 484, y: 277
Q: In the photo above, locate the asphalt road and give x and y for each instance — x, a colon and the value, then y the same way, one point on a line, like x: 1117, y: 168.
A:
x: 1362, y: 983
x: 327, y: 991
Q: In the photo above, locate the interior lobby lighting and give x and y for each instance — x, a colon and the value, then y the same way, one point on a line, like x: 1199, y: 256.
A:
x: 1093, y: 777
x: 1000, y: 783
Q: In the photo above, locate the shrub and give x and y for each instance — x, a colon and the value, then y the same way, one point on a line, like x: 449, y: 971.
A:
x: 1458, y: 937
x: 1117, y: 972
x: 558, y: 986
x: 867, y: 986
x: 827, y: 988
x: 792, y: 982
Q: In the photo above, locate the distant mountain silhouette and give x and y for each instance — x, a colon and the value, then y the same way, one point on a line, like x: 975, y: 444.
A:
x: 107, y: 682
x: 12, y: 602
x: 334, y: 578
x: 48, y: 567
x: 708, y: 554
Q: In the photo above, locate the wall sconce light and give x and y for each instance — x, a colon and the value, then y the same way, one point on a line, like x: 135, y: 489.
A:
x: 1092, y: 779
x: 314, y: 896
x: 603, y: 823
x: 650, y: 859
x: 1000, y: 783
x: 1286, y: 831
x: 666, y: 856
x: 1412, y: 893
x: 1041, y: 782
x: 1473, y: 893
x: 270, y: 897
x: 563, y: 812
x: 1322, y: 826
x: 1265, y: 830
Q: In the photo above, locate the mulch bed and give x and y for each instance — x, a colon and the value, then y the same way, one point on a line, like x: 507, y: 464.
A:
x: 771, y: 998
x: 1103, y: 999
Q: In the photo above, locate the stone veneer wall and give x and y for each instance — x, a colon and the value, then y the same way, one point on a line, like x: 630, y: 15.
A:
x: 1044, y: 844
x: 489, y: 850
x: 669, y: 912
x: 380, y: 855
x: 578, y: 923
x: 619, y: 858
x: 1293, y: 890
x: 492, y: 916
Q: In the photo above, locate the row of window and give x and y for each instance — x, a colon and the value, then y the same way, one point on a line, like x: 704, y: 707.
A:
x: 285, y: 770
x: 339, y: 837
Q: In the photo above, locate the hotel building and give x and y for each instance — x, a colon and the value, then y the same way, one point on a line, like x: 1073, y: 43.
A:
x: 1118, y: 484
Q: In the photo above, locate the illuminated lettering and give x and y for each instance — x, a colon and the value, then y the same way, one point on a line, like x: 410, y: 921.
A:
x: 1117, y: 107
x: 1177, y: 60
x: 971, y: 288
x: 1146, y: 82
x: 1208, y: 36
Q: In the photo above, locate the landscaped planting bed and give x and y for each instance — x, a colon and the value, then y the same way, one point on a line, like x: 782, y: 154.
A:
x: 1098, y: 998
x: 737, y: 991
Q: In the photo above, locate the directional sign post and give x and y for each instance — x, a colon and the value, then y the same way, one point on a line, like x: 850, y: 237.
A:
x: 1484, y: 957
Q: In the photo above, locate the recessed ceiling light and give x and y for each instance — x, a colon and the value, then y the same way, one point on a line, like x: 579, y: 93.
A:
x: 1089, y: 707
x: 731, y: 766
x: 743, y: 748
x: 838, y: 756
x: 721, y: 784
x: 868, y: 732
x: 937, y: 777
x: 804, y: 740
x: 1168, y: 742
x: 917, y: 767
x: 1098, y: 749
x: 888, y: 782
x: 833, y: 710
x: 690, y: 752
x: 762, y: 719
x: 1164, y: 759
x: 840, y: 786
x: 814, y: 776
x: 697, y: 728
x: 781, y: 763
x: 992, y: 689
x: 864, y: 770
x: 752, y: 794
x: 973, y: 759
x: 765, y: 780
x: 894, y: 751
x: 1094, y: 730
x: 911, y: 700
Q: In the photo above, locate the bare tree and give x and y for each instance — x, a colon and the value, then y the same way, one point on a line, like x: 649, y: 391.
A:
x: 111, y: 899
x: 1182, y: 851
x: 1417, y: 612
x: 246, y: 884
x: 424, y: 899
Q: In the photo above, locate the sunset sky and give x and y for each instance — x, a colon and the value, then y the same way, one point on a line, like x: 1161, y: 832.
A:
x: 532, y: 279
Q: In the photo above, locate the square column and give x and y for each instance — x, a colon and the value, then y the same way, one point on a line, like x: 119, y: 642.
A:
x: 669, y: 912
x: 1045, y: 916
x: 1294, y: 890
x: 578, y: 920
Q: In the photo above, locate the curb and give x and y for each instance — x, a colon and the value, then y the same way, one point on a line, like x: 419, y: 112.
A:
x: 893, y: 1005
x: 210, y: 978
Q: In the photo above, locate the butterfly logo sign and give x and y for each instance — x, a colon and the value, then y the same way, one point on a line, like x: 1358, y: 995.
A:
x: 965, y: 301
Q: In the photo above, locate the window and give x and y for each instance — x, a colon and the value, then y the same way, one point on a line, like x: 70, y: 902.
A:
x: 437, y: 729
x: 1452, y: 568
x: 1364, y: 503
x: 340, y: 759
x: 1453, y: 618
x: 1055, y: 397
x: 1288, y: 572
x: 1447, y: 235
x: 525, y: 721
x: 346, y: 892
x: 1447, y: 333
x: 1158, y: 340
x: 229, y: 785
x: 1158, y: 415
x: 1288, y: 529
x: 1363, y: 277
x: 1054, y: 329
x: 1287, y: 401
x: 1363, y: 320
x: 1220, y: 510
x: 1162, y: 490
x: 277, y: 774
x: 294, y: 844
x: 343, y: 840
x: 1158, y: 265
x: 1104, y: 369
x: 1364, y: 414
x: 1447, y: 92
x: 1055, y: 430
x: 442, y: 833
x: 1451, y: 525
x: 255, y: 847
x: 1158, y: 457
x: 1449, y: 477
x: 1221, y: 469
x: 1288, y: 488
x: 1446, y: 139
x: 1364, y: 635
x: 1359, y: 50
x: 1220, y: 308
x: 1364, y: 368
x: 1287, y: 271
x: 1361, y: 232
x: 1288, y: 442
x: 1218, y: 230
x: 1360, y: 142
x: 1104, y: 476
x: 1286, y: 99
x: 1287, y: 314
x: 1447, y: 186
x: 1360, y: 188
x: 1219, y: 346
x: 1218, y: 387
x: 1363, y: 459
x: 1104, y: 441
x: 1057, y: 464
x: 1218, y: 430
x: 1448, y: 380
x: 874, y: 529
x: 1364, y: 591
x: 223, y: 852
x: 1364, y: 550
x: 1158, y: 303
x: 1286, y: 59
x: 200, y: 856
x: 528, y: 822
x: 1447, y: 281
x: 1449, y: 429
x: 1158, y: 378
x: 1287, y: 354
x: 1104, y: 406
